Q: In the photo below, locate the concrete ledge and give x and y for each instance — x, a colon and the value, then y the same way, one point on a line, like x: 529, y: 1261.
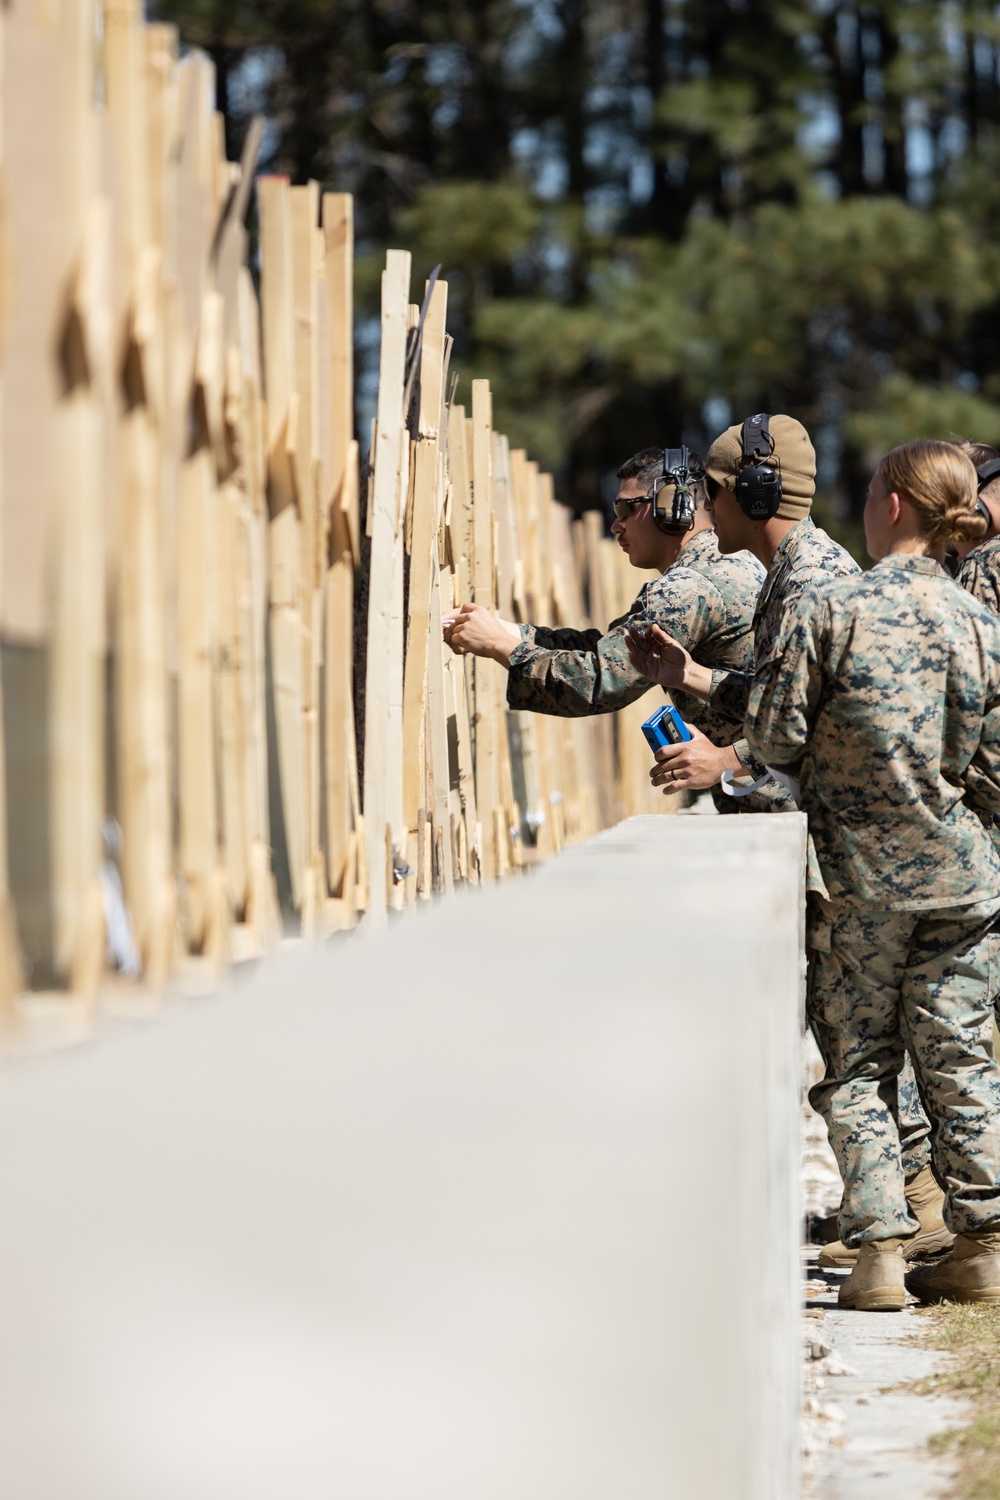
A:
x: 500, y: 1207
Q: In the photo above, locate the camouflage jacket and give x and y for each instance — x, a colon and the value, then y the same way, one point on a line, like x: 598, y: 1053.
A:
x: 705, y: 600
x: 882, y: 694
x: 979, y: 574
x: 805, y: 557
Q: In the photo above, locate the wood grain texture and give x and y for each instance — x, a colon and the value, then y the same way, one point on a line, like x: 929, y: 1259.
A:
x: 385, y: 578
x: 181, y: 540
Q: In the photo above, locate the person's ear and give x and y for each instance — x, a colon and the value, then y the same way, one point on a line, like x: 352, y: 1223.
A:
x: 893, y: 507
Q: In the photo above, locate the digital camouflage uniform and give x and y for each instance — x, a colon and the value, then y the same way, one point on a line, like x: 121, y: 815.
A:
x: 883, y: 692
x: 704, y: 599
x: 805, y: 557
x: 979, y: 574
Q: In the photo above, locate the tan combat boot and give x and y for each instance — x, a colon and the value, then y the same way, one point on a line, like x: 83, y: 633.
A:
x: 971, y: 1273
x: 876, y: 1283
x: 926, y: 1200
x: 824, y: 1231
x: 933, y: 1239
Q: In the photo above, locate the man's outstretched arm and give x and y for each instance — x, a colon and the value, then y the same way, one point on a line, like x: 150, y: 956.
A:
x: 473, y: 630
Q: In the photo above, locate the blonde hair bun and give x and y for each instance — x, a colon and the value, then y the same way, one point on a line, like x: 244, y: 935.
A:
x: 963, y: 525
x: 941, y: 483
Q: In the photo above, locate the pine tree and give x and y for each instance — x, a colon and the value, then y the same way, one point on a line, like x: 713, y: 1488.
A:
x: 652, y: 213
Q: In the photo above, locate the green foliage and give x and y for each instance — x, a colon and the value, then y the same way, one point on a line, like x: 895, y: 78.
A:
x: 652, y: 212
x: 722, y: 111
x: 471, y: 225
x: 904, y: 409
x: 754, y: 305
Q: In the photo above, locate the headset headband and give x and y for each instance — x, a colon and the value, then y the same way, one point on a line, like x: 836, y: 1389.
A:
x: 676, y: 462
x: 987, y: 473
x: 758, y: 445
x: 758, y: 480
x: 676, y: 472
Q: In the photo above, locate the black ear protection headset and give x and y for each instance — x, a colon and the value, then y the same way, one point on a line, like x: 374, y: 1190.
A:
x: 987, y: 473
x: 676, y: 471
x: 758, y: 482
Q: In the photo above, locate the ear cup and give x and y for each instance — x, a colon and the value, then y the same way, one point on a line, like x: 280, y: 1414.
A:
x: 676, y: 472
x: 758, y: 490
x: 988, y: 472
x: 758, y: 483
x: 678, y: 519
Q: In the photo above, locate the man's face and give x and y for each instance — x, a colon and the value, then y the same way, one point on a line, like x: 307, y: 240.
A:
x: 729, y: 520
x: 638, y: 535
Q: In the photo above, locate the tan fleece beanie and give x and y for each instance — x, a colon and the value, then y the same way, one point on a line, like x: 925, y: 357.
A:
x: 794, y: 456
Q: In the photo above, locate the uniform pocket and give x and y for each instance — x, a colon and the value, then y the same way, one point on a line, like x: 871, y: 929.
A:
x: 993, y: 944
x: 864, y: 943
x: 819, y: 928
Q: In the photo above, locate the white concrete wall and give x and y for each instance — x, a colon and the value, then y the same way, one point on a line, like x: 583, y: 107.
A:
x: 501, y: 1207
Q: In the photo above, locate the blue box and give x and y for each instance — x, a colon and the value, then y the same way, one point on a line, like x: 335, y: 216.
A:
x: 665, y: 727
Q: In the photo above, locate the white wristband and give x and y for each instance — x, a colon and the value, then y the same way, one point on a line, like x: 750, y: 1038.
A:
x: 788, y: 782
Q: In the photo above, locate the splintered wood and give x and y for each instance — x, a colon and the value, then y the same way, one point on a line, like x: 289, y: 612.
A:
x: 188, y: 766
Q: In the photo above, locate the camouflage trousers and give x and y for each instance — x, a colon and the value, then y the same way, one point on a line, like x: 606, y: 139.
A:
x: 884, y: 983
x: 914, y: 1126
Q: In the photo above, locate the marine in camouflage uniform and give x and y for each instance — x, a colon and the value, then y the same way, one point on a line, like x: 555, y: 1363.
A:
x: 806, y: 558
x: 882, y: 695
x: 706, y: 598
x: 979, y: 574
x: 979, y: 570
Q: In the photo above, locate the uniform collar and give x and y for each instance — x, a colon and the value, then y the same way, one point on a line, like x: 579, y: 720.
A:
x: 700, y: 545
x: 703, y: 541
x: 983, y: 548
x: 911, y: 562
x: 788, y: 541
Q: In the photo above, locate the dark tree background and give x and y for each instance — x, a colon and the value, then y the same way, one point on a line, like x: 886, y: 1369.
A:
x: 658, y: 215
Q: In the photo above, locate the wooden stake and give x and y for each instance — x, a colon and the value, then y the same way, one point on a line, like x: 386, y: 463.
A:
x: 487, y: 789
x: 426, y: 510
x: 289, y: 804
x: 384, y: 519
x: 306, y: 273
x: 437, y: 720
x: 344, y: 552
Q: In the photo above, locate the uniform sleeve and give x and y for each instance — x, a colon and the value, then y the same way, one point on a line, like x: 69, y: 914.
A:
x: 560, y: 640
x: 980, y: 577
x: 982, y: 778
x: 574, y: 673
x: 786, y: 689
x: 592, y: 673
x: 730, y: 693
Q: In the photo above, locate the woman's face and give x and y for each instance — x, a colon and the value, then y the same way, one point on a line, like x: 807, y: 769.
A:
x: 877, y: 523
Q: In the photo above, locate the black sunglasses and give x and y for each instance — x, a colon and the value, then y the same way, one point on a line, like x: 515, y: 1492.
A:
x: 623, y: 508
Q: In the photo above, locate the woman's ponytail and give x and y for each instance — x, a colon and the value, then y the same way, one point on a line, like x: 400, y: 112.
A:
x: 940, y: 482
